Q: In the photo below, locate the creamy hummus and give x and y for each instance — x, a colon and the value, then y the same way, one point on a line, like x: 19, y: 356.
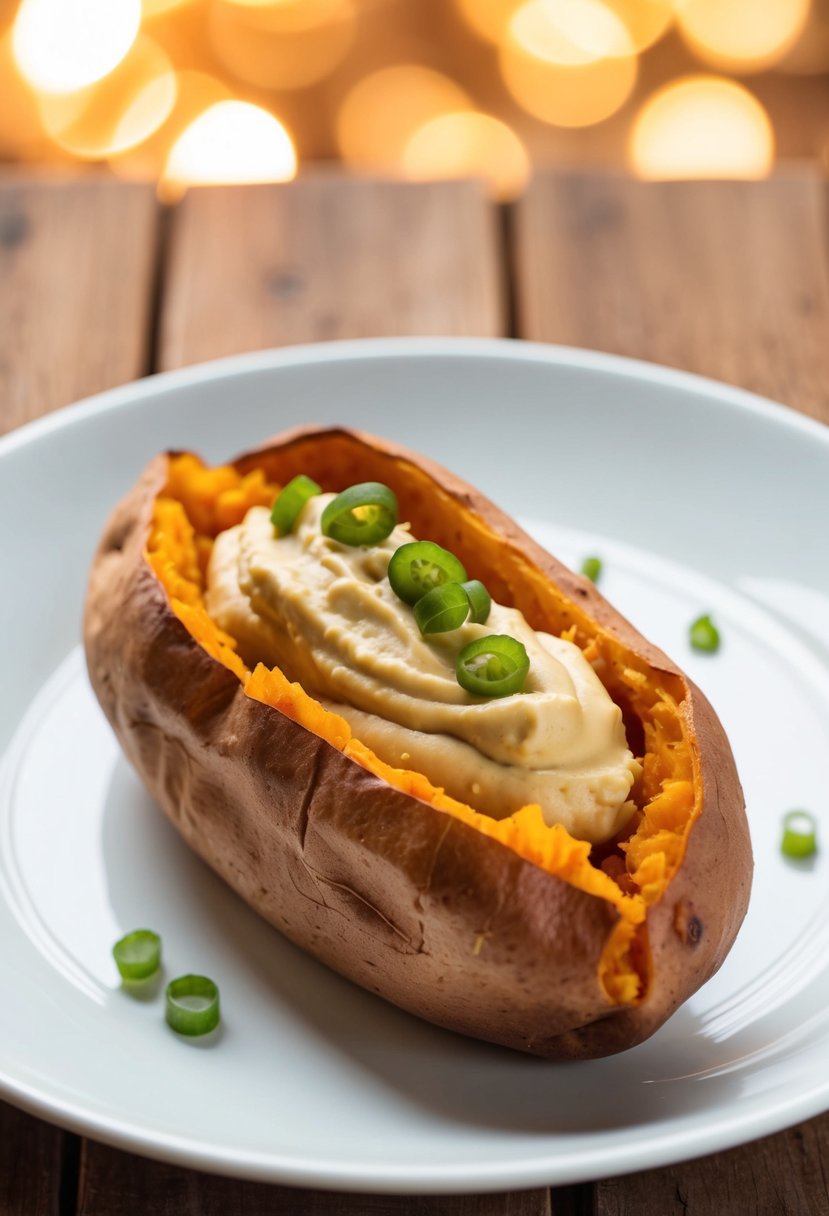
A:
x: 326, y: 615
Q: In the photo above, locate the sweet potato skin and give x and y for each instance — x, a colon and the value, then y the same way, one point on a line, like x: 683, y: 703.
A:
x: 398, y: 896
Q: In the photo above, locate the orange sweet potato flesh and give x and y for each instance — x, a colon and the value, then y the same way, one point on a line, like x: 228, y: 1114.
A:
x: 504, y: 930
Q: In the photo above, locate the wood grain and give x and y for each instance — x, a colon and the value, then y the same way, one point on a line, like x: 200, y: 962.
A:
x: 32, y: 1157
x: 729, y: 279
x: 77, y: 264
x: 120, y: 1184
x: 783, y: 1175
x: 325, y: 258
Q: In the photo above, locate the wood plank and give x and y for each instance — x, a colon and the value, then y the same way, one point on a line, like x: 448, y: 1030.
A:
x: 328, y: 257
x: 76, y: 278
x: 32, y: 1159
x: 120, y: 1184
x: 729, y: 279
x: 784, y: 1174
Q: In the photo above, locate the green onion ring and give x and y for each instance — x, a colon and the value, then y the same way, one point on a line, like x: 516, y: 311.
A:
x: 799, y: 834
x: 289, y: 502
x: 591, y: 568
x: 479, y: 601
x: 419, y: 566
x: 443, y: 609
x: 138, y: 954
x: 192, y: 1005
x: 704, y: 635
x: 493, y: 666
x: 362, y: 515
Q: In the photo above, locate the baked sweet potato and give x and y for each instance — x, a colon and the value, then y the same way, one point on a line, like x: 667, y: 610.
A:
x: 504, y: 929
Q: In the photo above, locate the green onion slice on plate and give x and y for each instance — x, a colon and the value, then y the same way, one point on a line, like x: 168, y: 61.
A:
x: 192, y: 1005
x: 290, y: 500
x: 704, y: 635
x: 591, y: 568
x: 799, y: 834
x: 362, y: 515
x: 443, y: 609
x: 420, y: 567
x: 138, y: 954
x: 479, y: 601
x: 494, y: 666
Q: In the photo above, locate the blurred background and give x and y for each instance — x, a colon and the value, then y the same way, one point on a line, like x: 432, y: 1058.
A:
x: 199, y: 91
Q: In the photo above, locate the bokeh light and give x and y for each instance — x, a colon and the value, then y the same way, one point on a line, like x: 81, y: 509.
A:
x: 286, y: 45
x: 468, y: 144
x: 568, y: 62
x: 488, y: 18
x: 195, y: 92
x: 231, y: 141
x: 21, y: 130
x: 380, y: 114
x: 272, y: 4
x: 702, y: 127
x: 64, y: 45
x: 151, y: 8
x: 122, y: 110
x: 742, y: 35
x: 810, y: 54
x: 413, y: 88
x: 645, y: 20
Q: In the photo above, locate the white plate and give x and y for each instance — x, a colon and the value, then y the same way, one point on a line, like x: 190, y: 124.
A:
x: 699, y: 497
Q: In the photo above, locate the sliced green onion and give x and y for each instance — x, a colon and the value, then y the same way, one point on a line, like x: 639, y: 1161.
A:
x: 138, y: 954
x: 445, y: 608
x: 192, y: 1005
x: 419, y: 567
x: 289, y: 502
x: 479, y: 601
x: 591, y: 568
x: 495, y: 666
x: 361, y: 515
x: 799, y: 834
x: 704, y: 635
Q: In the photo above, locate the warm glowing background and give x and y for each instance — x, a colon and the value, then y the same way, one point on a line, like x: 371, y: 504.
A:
x: 186, y: 91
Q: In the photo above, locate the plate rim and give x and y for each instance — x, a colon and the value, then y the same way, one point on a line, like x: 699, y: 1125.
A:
x: 541, y: 1169
x: 354, y: 349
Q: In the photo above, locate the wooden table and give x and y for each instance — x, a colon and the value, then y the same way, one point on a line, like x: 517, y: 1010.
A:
x: 99, y: 285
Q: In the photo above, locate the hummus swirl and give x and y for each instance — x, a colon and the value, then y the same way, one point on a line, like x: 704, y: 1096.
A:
x: 326, y: 615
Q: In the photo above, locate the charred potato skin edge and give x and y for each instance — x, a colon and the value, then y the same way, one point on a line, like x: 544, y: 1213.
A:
x: 397, y: 896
